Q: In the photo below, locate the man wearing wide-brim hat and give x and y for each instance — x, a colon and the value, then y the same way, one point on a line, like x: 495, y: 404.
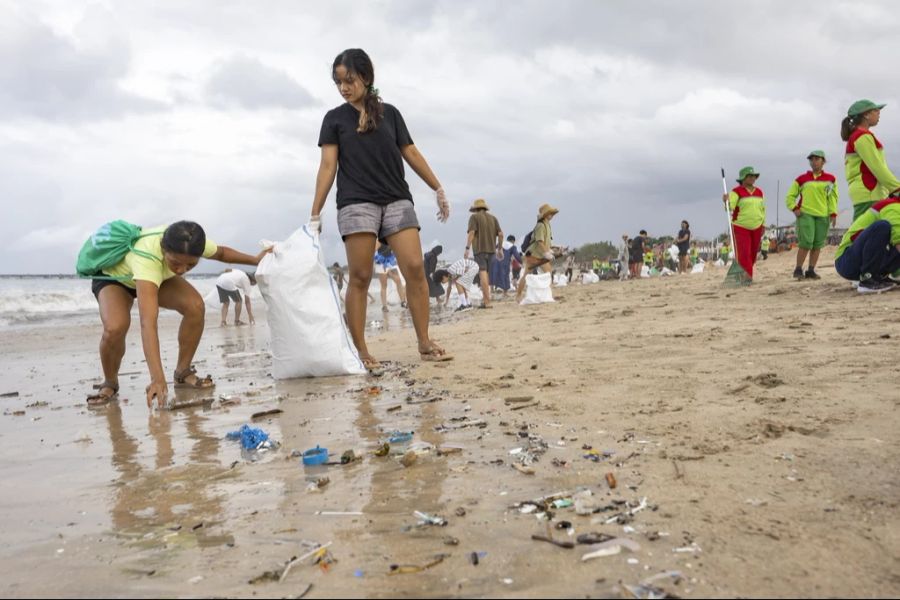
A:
x: 486, y: 239
x: 868, y: 177
x: 747, y: 205
x: 813, y: 198
x: 539, y: 253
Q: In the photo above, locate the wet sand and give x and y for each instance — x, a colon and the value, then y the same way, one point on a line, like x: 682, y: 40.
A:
x: 759, y: 424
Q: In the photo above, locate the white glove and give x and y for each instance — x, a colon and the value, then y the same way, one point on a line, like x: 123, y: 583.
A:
x: 315, y: 223
x: 549, y: 255
x: 443, y: 205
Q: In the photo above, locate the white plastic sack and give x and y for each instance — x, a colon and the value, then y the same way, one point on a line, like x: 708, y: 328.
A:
x: 538, y: 289
x: 645, y: 271
x: 666, y: 272
x: 719, y: 263
x: 211, y: 300
x: 589, y: 277
x: 308, y: 335
x: 698, y: 268
x: 561, y: 280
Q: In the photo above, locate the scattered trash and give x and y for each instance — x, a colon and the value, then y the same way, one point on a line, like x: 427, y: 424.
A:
x: 399, y: 441
x: 349, y: 456
x: 563, y: 503
x: 315, y: 456
x: 463, y: 425
x: 646, y: 589
x: 592, y: 538
x: 252, y: 438
x: 451, y: 541
x: 611, y: 481
x: 382, y: 450
x: 266, y: 413
x: 523, y: 470
x: 318, y: 484
x: 395, y: 408
x: 10, y: 395
x: 404, y: 569
x: 693, y: 548
x: 543, y: 538
x: 611, y: 548
x: 228, y: 400
x: 409, y: 459
x: 460, y: 512
x: 518, y: 399
x: 524, y: 406
x: 446, y: 449
x: 429, y: 520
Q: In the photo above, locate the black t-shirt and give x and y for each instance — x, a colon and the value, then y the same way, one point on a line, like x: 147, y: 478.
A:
x: 683, y: 246
x: 370, y: 167
x: 637, y: 249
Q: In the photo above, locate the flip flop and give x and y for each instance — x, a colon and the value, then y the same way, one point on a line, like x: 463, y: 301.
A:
x: 206, y: 383
x: 101, y: 399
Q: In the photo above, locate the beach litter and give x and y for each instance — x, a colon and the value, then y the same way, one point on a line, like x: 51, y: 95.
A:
x: 266, y: 413
x: 543, y: 538
x: 426, y: 520
x: 406, y: 569
x: 611, y: 548
x: 252, y: 438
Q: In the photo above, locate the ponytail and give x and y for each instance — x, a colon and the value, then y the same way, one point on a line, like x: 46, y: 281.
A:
x: 372, y: 112
x: 848, y: 126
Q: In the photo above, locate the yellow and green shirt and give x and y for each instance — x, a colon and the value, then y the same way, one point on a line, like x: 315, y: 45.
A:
x: 868, y: 175
x: 886, y: 210
x: 155, y: 270
x: 748, y: 209
x: 814, y: 195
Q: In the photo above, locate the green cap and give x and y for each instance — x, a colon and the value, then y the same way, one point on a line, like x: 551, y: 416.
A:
x: 818, y: 153
x: 745, y: 172
x: 863, y: 106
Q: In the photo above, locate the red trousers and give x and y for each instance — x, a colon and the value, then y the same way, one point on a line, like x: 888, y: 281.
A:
x: 746, y: 246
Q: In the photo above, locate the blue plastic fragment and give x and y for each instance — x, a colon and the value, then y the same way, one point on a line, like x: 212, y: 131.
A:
x: 315, y: 456
x: 251, y: 437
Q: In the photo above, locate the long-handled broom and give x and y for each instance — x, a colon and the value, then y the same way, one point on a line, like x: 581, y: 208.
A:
x: 736, y: 276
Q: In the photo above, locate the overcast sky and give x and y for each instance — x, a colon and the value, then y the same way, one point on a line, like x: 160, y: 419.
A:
x: 618, y: 113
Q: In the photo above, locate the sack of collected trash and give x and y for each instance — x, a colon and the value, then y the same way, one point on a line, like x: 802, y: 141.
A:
x: 538, y: 289
x: 560, y: 281
x: 309, y: 338
x: 646, y: 271
x: 698, y: 268
x: 589, y: 277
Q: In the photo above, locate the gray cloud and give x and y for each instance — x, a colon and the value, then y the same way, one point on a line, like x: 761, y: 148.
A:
x: 246, y: 82
x: 48, y: 76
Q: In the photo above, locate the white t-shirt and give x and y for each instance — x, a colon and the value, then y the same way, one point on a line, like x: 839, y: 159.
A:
x: 462, y: 267
x: 232, y: 280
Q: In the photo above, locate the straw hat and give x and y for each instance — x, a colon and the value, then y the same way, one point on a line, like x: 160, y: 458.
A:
x: 479, y: 204
x: 546, y: 210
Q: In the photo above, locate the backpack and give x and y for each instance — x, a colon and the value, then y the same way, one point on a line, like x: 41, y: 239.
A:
x: 526, y: 241
x: 107, y: 247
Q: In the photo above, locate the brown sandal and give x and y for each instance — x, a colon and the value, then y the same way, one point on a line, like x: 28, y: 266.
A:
x: 435, y: 354
x: 181, y: 381
x: 99, y: 398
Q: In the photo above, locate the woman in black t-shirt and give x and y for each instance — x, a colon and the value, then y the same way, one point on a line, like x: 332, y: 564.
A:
x: 684, y: 247
x: 364, y: 143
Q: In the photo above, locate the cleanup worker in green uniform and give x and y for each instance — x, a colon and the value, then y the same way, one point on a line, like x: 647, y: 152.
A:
x: 747, y: 204
x: 868, y: 176
x: 813, y: 198
x: 870, y: 250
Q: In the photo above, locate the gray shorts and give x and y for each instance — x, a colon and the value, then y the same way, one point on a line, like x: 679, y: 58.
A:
x: 384, y: 220
x: 484, y: 260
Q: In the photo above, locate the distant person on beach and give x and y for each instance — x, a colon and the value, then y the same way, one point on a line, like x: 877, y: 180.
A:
x: 747, y: 204
x: 725, y: 252
x: 484, y: 241
x: 152, y: 272
x: 636, y: 256
x: 229, y: 285
x: 683, y: 241
x: 462, y: 274
x: 570, y: 266
x: 435, y: 290
x: 695, y: 253
x: 539, y: 254
x: 813, y: 198
x: 868, y: 177
x: 869, y: 253
x: 501, y: 267
x: 337, y: 273
x: 386, y: 267
x: 364, y: 143
x: 624, y: 258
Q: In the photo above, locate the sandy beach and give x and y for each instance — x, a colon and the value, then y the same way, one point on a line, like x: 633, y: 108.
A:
x: 750, y: 434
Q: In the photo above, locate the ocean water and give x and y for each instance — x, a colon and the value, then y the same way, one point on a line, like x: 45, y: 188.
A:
x: 45, y: 300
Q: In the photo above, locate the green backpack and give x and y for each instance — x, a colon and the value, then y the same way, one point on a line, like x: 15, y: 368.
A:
x: 107, y: 247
